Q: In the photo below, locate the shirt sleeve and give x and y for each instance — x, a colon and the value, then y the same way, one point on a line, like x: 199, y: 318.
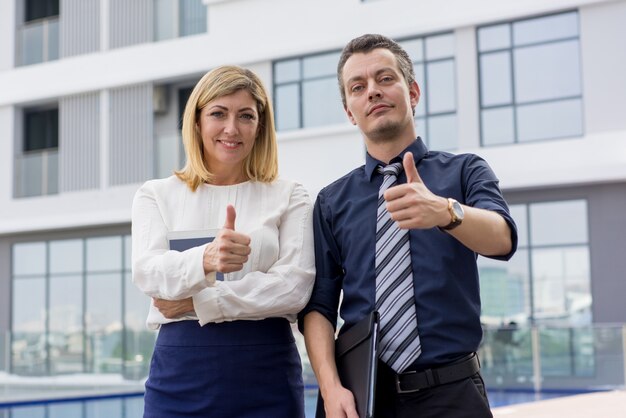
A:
x: 329, y: 271
x: 482, y: 190
x: 280, y: 292
x: 156, y: 270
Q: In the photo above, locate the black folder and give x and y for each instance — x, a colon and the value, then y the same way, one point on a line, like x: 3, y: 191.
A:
x: 357, y: 358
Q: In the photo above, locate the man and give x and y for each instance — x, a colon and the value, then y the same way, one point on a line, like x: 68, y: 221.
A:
x: 410, y: 253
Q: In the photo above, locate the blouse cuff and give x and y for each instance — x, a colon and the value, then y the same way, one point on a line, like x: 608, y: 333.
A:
x: 205, y: 303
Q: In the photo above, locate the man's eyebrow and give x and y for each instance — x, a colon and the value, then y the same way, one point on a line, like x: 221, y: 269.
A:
x: 378, y: 72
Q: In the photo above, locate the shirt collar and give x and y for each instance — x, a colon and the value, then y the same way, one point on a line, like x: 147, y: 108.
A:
x: 417, y: 147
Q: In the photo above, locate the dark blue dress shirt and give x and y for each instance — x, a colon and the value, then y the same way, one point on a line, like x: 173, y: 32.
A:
x: 445, y: 273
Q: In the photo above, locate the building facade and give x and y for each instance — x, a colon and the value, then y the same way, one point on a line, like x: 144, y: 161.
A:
x: 92, y: 92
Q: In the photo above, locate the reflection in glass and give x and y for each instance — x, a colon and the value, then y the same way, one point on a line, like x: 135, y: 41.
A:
x: 441, y: 87
x: 29, y: 258
x: 563, y: 222
x: 505, y: 289
x: 545, y: 29
x: 104, y: 254
x: 536, y: 121
x: 494, y: 37
x: 104, y: 323
x: 287, y: 103
x: 518, y: 213
x: 567, y: 352
x: 562, y: 293
x: 138, y: 339
x: 546, y: 72
x: 66, y: 324
x: 28, y: 327
x: 497, y: 126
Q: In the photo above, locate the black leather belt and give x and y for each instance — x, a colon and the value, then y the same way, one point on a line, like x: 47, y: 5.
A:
x: 412, y: 381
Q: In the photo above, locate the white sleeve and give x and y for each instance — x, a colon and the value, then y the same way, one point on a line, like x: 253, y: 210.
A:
x: 157, y: 271
x: 286, y: 287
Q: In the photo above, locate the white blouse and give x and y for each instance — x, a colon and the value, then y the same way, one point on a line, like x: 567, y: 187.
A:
x: 278, y: 277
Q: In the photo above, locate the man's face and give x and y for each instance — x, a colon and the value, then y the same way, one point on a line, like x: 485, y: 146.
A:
x: 378, y: 99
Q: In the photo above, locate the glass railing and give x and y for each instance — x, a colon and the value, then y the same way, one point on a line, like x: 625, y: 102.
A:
x: 176, y: 18
x: 168, y: 155
x: 105, y: 352
x: 39, y: 41
x: 37, y: 173
x: 528, y: 359
x: 554, y: 358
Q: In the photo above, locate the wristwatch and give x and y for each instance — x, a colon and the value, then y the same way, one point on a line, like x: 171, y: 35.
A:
x: 456, y: 213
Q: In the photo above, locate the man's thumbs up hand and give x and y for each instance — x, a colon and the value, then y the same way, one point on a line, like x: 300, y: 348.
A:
x: 412, y: 176
x: 229, y: 250
x: 413, y: 205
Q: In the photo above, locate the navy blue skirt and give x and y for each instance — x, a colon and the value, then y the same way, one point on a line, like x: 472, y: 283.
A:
x: 240, y: 369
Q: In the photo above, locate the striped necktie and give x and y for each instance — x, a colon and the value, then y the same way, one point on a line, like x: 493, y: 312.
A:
x: 399, y: 339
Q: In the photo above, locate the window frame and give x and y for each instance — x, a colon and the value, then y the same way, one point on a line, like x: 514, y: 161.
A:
x: 513, y: 104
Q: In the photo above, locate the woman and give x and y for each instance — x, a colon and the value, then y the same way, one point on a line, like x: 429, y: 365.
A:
x: 225, y: 347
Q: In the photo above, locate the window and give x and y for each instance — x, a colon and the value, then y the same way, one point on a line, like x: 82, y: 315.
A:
x: 39, y: 35
x: 177, y: 18
x: 40, y: 9
x: 89, y: 317
x: 530, y: 80
x: 41, y: 130
x: 306, y: 93
x: 37, y: 166
x: 548, y: 279
x: 435, y: 114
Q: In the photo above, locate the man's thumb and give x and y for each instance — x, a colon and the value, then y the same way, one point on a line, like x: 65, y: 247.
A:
x: 230, y: 217
x: 412, y: 176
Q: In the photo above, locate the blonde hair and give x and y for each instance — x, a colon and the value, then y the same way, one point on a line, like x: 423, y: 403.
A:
x: 262, y: 162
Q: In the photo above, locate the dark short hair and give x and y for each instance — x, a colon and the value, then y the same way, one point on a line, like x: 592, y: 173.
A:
x: 368, y: 42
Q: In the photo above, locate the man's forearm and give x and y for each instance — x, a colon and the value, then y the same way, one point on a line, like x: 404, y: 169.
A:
x: 485, y: 232
x: 320, y: 344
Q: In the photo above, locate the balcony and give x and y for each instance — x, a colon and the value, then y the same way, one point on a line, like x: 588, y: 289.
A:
x: 39, y: 41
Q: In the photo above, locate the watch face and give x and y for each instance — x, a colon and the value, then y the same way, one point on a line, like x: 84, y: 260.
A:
x: 457, y: 209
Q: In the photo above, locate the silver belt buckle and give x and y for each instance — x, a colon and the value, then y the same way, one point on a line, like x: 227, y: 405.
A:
x: 399, y: 388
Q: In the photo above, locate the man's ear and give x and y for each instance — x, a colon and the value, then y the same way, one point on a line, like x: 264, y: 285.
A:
x: 414, y: 93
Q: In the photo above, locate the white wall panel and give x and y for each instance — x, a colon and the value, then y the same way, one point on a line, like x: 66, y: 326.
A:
x: 79, y: 142
x: 130, y: 134
x: 79, y: 27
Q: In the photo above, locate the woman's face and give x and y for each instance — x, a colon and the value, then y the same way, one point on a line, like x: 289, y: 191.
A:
x: 228, y: 127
